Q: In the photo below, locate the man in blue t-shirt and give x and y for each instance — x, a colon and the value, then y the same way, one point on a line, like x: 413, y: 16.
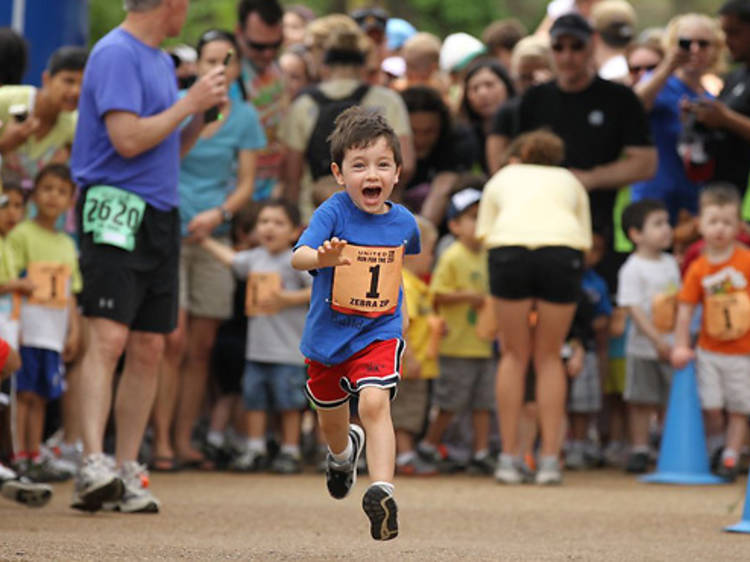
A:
x: 126, y: 160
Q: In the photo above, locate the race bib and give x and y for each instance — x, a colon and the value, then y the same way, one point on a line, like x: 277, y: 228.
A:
x: 260, y: 287
x: 51, y: 282
x: 370, y: 285
x: 664, y: 312
x: 113, y: 215
x: 727, y: 315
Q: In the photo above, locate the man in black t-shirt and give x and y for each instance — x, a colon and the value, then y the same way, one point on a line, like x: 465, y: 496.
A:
x: 730, y: 113
x: 604, y: 126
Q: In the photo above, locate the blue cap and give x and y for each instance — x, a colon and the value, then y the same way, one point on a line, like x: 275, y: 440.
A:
x: 397, y: 32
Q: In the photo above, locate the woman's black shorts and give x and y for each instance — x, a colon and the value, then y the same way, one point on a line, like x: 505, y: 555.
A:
x: 550, y: 273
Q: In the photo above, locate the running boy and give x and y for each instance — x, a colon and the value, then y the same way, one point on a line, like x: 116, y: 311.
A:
x: 275, y: 304
x: 647, y: 287
x: 49, y: 327
x: 719, y: 279
x: 353, y: 342
x: 467, y: 370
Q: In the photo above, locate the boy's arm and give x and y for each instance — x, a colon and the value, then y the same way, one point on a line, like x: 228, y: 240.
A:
x: 294, y: 298
x: 682, y: 354
x: 328, y: 254
x: 220, y: 251
x: 646, y: 326
x: 460, y: 297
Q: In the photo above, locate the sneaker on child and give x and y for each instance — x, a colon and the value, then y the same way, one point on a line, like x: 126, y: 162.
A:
x: 30, y: 494
x: 341, y: 476
x: 507, y: 471
x: 549, y: 472
x: 136, y: 497
x: 286, y: 463
x: 382, y: 511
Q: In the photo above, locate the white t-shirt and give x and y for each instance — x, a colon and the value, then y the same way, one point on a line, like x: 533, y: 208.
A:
x: 640, y: 280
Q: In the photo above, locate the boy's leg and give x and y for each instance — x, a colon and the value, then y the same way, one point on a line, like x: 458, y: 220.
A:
x: 375, y: 413
x: 334, y: 423
x: 291, y: 421
x: 437, y: 428
x: 35, y: 423
x: 480, y: 420
x: 23, y: 407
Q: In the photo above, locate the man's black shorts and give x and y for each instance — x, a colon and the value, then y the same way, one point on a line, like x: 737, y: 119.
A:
x: 138, y: 288
x: 550, y: 273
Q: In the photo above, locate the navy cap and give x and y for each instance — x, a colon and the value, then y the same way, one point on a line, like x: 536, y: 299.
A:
x: 571, y: 24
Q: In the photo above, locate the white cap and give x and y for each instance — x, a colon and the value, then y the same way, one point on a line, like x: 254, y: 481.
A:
x: 395, y: 66
x: 458, y: 50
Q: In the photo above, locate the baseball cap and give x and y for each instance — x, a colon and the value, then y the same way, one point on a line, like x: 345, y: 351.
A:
x: 395, y: 66
x: 571, y: 24
x: 458, y: 50
x: 397, y: 32
x: 461, y: 201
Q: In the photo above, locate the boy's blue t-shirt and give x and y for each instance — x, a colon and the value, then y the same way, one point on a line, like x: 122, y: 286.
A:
x: 597, y: 293
x: 124, y: 74
x: 331, y: 337
x: 207, y: 171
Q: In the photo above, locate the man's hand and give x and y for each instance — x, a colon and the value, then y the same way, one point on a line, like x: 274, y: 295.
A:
x: 681, y: 356
x: 203, y: 224
x: 15, y: 133
x: 329, y: 253
x: 209, y: 91
x: 712, y: 113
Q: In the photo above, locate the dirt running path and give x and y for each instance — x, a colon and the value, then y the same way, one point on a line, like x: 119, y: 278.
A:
x: 594, y: 516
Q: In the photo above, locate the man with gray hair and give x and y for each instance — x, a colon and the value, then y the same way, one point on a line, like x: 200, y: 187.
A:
x: 126, y: 161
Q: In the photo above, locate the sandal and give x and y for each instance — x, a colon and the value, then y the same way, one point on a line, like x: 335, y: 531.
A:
x: 164, y: 464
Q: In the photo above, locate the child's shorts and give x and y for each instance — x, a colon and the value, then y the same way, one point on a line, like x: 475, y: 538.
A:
x: 42, y: 372
x: 586, y: 389
x: 274, y: 385
x: 409, y: 409
x: 465, y: 383
x: 724, y: 381
x: 377, y: 365
x: 647, y: 381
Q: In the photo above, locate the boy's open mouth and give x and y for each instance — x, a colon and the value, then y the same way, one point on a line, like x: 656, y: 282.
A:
x: 371, y: 192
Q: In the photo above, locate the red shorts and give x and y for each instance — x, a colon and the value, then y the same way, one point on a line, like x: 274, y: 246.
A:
x: 378, y: 365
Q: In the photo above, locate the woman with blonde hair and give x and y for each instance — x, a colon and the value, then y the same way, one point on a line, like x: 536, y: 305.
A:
x: 534, y: 217
x: 694, y: 45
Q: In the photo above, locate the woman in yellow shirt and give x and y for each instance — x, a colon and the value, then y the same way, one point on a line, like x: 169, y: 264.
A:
x: 534, y: 218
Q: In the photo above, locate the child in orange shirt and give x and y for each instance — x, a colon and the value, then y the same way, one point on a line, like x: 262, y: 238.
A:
x: 719, y: 279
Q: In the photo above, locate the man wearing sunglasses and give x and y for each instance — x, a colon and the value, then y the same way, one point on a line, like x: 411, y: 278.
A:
x: 731, y: 111
x: 260, y: 36
x: 605, y: 129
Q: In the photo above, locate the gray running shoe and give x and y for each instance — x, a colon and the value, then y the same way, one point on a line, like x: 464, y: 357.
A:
x: 549, y: 472
x: 27, y: 493
x: 249, y: 461
x: 382, y: 511
x: 481, y: 466
x: 96, y: 483
x: 507, y: 471
x: 284, y: 463
x: 340, y: 477
x: 136, y: 498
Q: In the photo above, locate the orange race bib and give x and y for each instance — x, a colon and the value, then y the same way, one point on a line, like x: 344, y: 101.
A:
x: 727, y: 315
x: 260, y: 287
x: 369, y: 286
x: 664, y: 312
x: 51, y: 284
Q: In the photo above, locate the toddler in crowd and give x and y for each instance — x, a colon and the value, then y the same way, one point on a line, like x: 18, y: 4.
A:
x: 467, y: 368
x: 411, y: 404
x: 14, y: 209
x: 353, y: 335
x: 719, y: 280
x: 49, y: 323
x: 585, y: 400
x: 276, y: 303
x: 647, y: 287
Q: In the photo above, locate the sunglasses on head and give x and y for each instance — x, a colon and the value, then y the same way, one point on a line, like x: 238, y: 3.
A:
x: 642, y: 68
x: 574, y: 46
x: 685, y: 43
x: 262, y: 46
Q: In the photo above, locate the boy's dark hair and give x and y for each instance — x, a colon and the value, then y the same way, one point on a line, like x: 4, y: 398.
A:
x: 290, y: 209
x: 60, y: 171
x: 635, y: 214
x: 720, y: 193
x: 358, y: 127
x: 270, y: 11
x: 739, y: 8
x: 12, y: 185
x: 67, y: 58
x: 503, y: 34
x: 211, y: 35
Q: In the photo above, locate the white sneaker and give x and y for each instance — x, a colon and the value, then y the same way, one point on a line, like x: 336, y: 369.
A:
x: 249, y: 461
x: 507, y: 471
x: 30, y: 494
x: 136, y: 498
x: 549, y: 472
x: 7, y: 473
x: 96, y: 483
x: 64, y: 467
